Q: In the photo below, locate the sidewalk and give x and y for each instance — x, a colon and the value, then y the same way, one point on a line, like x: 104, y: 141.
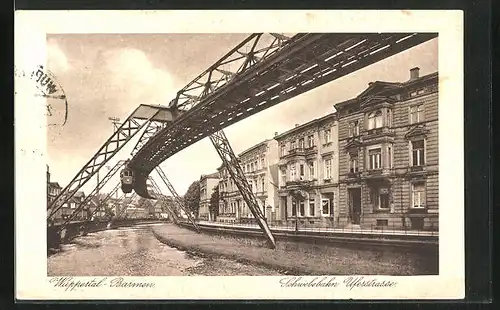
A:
x: 350, y: 230
x: 291, y: 257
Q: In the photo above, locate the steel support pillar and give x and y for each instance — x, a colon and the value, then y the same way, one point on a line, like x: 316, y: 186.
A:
x: 115, y: 143
x: 95, y: 191
x: 231, y: 163
x: 157, y: 192
x: 177, y: 198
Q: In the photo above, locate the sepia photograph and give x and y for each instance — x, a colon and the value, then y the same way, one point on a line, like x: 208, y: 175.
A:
x: 309, y: 157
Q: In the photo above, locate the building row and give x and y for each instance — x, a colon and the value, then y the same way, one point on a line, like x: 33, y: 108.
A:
x: 373, y: 163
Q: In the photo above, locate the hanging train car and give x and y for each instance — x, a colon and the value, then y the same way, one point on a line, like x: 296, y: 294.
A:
x: 127, y: 180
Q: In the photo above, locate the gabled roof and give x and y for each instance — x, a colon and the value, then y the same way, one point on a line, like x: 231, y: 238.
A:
x: 55, y: 184
x: 377, y: 87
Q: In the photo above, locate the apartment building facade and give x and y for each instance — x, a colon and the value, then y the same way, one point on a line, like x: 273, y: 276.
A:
x: 207, y: 185
x: 388, y: 144
x: 308, y: 173
x: 259, y: 164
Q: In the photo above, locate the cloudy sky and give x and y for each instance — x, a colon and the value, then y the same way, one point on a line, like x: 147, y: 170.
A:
x: 105, y: 75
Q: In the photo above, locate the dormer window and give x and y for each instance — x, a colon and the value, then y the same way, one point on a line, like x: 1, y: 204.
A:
x: 375, y: 120
x: 354, y: 129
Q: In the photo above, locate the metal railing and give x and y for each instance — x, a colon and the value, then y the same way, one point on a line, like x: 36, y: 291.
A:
x: 304, y: 225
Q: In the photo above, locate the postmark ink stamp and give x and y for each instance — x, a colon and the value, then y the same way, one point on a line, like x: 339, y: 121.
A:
x: 47, y: 85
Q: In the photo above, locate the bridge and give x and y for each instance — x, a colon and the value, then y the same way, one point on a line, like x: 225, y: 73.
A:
x: 260, y: 72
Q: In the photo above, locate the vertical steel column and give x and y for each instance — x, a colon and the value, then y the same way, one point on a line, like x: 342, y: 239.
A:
x: 230, y: 161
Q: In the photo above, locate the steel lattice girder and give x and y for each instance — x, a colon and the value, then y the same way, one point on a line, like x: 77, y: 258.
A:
x: 108, y: 196
x: 177, y: 198
x: 124, y: 202
x: 231, y: 163
x: 306, y: 61
x: 96, y: 190
x: 80, y: 207
x: 164, y: 204
x: 134, y: 123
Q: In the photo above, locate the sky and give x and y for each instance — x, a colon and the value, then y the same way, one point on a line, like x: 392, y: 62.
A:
x: 109, y: 75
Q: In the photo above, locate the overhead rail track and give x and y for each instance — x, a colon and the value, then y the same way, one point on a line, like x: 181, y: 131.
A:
x: 266, y: 77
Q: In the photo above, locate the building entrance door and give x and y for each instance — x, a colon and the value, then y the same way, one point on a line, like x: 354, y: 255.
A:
x: 355, y: 205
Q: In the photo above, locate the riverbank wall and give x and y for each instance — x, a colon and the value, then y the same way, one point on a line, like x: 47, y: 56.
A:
x: 297, y: 257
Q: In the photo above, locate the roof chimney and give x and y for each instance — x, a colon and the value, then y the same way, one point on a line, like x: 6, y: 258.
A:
x: 414, y: 73
x: 297, y: 125
x: 275, y: 133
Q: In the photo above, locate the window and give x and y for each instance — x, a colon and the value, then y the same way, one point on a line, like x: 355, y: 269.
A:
x: 327, y: 135
x: 302, y: 210
x: 353, y: 162
x: 389, y: 118
x: 283, y: 150
x: 375, y: 120
x: 417, y: 152
x: 328, y: 168
x: 389, y: 156
x: 380, y: 198
x: 354, y: 129
x: 325, y: 206
x: 263, y: 162
x: 416, y: 113
x: 293, y: 145
x: 283, y: 177
x: 292, y: 172
x: 311, y: 170
x: 310, y: 141
x: 418, y: 195
x: 301, y: 143
x: 311, y: 207
x: 375, y: 159
x: 302, y: 171
x: 294, y: 208
x: 263, y: 185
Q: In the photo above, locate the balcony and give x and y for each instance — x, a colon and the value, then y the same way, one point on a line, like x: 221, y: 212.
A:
x: 416, y: 170
x: 353, y: 174
x: 298, y: 183
x: 376, y: 173
x: 310, y: 150
x: 381, y: 132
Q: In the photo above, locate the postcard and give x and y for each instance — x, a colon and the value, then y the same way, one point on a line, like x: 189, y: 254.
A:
x: 239, y: 155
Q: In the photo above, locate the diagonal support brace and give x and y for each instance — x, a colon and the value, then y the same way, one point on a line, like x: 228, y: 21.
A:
x: 230, y: 161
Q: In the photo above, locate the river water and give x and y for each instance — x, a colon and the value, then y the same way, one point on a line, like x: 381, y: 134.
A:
x: 134, y: 251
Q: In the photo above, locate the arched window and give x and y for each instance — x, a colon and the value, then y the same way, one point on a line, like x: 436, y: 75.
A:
x: 375, y: 120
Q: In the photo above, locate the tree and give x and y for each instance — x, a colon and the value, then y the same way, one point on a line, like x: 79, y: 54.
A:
x: 192, y: 198
x: 214, y: 202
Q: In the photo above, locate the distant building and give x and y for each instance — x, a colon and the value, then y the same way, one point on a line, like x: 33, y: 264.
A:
x: 53, y: 189
x: 259, y: 164
x: 388, y: 138
x: 136, y: 213
x: 207, y: 185
x: 308, y: 173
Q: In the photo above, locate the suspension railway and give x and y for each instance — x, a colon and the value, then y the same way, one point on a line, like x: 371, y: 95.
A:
x: 260, y: 72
